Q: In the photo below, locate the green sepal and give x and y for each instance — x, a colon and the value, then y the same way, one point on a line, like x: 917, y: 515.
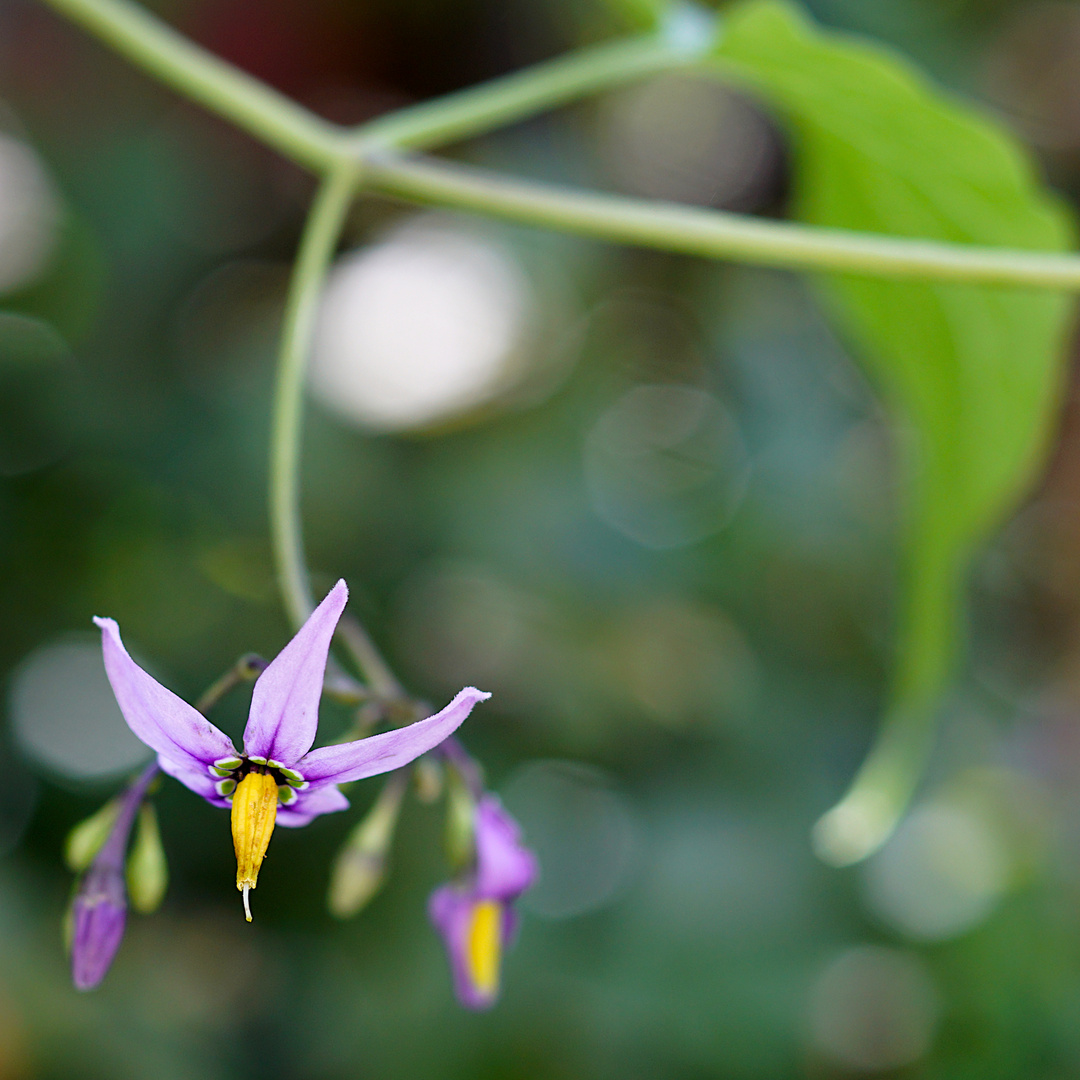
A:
x: 86, y: 839
x: 147, y: 869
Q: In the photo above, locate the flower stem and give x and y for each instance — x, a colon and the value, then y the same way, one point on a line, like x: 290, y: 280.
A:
x: 711, y: 233
x: 537, y: 89
x: 380, y: 677
x: 325, y: 148
x: 200, y: 76
x: 301, y: 307
x: 112, y: 851
x: 247, y: 668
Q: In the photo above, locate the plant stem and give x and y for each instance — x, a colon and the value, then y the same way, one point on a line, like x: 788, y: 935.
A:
x: 523, y: 94
x: 246, y: 669
x: 711, y: 233
x: 380, y: 677
x: 200, y: 76
x: 316, y: 250
x: 323, y: 147
x: 927, y: 631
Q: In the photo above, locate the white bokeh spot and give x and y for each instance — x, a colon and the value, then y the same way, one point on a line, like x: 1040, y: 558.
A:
x: 419, y: 328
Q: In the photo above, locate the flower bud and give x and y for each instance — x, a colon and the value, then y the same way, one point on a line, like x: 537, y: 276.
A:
x: 86, y: 839
x: 95, y: 920
x: 360, y: 868
x: 428, y: 779
x: 147, y: 868
x: 460, y: 812
x: 98, y: 913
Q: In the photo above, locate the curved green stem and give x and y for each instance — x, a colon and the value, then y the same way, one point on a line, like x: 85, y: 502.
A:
x: 316, y: 250
x: 324, y: 147
x: 711, y: 233
x: 861, y: 822
x: 200, y: 76
x: 523, y: 94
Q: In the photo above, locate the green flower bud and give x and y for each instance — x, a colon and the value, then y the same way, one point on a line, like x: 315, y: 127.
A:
x: 360, y: 868
x: 147, y: 869
x: 85, y: 840
x: 460, y: 817
x: 428, y: 779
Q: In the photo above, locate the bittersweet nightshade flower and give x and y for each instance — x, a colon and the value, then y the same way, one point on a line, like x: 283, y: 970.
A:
x: 99, y: 910
x: 475, y: 915
x: 277, y: 778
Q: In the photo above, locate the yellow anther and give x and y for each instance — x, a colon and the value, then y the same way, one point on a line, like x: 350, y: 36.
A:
x: 483, y: 946
x: 254, y: 811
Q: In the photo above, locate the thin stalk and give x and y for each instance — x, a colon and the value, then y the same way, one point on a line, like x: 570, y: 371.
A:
x: 878, y: 797
x: 248, y: 668
x: 323, y: 147
x: 380, y: 677
x: 301, y: 308
x: 523, y: 94
x: 711, y: 233
x: 172, y: 59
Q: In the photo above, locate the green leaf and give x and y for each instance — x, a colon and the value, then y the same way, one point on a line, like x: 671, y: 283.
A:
x: 970, y: 374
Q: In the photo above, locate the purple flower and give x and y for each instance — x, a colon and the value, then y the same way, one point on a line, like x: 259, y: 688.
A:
x: 475, y: 915
x: 277, y: 777
x: 100, y: 905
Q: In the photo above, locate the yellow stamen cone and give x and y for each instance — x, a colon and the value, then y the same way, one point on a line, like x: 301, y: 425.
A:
x: 254, y: 811
x: 483, y: 946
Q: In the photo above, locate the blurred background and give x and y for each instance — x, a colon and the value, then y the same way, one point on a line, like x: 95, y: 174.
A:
x: 645, y: 500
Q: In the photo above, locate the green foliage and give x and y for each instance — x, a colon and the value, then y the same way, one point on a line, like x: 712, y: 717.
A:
x: 971, y: 374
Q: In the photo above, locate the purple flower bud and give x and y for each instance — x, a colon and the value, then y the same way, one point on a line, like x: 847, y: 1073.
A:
x: 99, y: 909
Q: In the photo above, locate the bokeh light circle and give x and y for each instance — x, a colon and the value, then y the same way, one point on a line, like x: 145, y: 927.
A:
x: 582, y: 832
x: 666, y: 465
x: 419, y: 328
x: 29, y: 214
x: 873, y: 1009
x: 940, y: 874
x: 64, y: 715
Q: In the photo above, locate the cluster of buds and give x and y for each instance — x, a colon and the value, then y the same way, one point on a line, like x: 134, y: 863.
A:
x: 473, y: 913
x: 109, y: 876
x: 278, y: 779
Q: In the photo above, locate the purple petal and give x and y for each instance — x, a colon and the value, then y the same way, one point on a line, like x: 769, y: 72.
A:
x: 390, y: 750
x: 99, y: 912
x: 197, y: 780
x: 163, y: 721
x: 450, y: 910
x: 285, y: 704
x: 309, y: 805
x: 504, y: 867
